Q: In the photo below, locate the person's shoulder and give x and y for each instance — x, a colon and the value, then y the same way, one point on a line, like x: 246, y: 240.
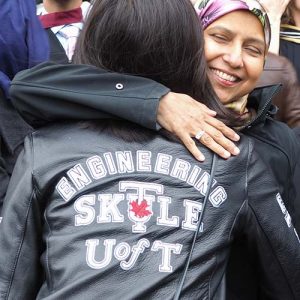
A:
x: 280, y: 128
x: 58, y: 130
x: 246, y: 146
x: 59, y: 142
x: 282, y: 135
x: 297, y: 131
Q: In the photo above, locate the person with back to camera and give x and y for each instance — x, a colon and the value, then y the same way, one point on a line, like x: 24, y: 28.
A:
x: 129, y: 213
x: 276, y: 143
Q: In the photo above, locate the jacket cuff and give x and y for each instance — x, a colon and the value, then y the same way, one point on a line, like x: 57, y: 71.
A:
x: 148, y: 117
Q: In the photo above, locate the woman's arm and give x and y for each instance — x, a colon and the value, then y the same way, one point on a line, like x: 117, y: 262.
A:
x: 51, y: 92
x: 274, y: 9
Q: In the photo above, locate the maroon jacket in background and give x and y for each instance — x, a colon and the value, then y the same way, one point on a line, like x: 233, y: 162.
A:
x: 279, y: 69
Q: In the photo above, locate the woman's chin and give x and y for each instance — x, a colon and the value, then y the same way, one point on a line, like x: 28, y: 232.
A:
x: 245, y: 115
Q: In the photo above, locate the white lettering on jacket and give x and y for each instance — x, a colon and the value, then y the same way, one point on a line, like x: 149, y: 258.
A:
x: 123, y: 252
x: 99, y: 167
x: 135, y: 203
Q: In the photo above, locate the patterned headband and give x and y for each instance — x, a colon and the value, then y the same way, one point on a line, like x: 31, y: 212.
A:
x: 210, y: 10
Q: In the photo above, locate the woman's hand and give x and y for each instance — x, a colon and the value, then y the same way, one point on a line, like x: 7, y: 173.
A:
x: 186, y: 118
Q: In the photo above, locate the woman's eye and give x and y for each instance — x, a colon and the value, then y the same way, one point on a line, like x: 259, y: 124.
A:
x: 220, y: 38
x: 254, y: 51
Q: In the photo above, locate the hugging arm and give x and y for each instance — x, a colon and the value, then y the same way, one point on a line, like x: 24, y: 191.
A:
x: 50, y: 92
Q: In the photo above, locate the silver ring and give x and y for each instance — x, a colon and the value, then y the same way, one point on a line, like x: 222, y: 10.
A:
x: 199, y: 134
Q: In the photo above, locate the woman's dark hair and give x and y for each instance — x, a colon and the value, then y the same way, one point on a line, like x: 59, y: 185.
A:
x: 158, y: 39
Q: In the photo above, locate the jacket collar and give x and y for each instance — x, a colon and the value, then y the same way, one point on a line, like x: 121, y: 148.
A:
x: 261, y: 100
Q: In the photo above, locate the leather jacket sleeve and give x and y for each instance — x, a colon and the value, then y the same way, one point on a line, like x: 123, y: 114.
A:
x: 50, y: 92
x: 271, y: 235
x: 20, y: 234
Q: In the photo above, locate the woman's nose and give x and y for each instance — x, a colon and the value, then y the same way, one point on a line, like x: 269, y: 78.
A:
x: 234, y: 57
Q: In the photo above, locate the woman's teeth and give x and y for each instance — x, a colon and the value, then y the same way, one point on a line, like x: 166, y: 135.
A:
x: 225, y: 76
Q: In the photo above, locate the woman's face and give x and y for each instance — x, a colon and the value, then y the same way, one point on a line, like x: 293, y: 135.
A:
x: 235, y: 52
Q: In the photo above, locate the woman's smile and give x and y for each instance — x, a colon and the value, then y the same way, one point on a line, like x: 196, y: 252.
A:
x: 225, y: 78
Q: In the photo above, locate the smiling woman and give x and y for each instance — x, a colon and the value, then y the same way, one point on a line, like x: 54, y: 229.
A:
x: 237, y: 36
x: 234, y: 52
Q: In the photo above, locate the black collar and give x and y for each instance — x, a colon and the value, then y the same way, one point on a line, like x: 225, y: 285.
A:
x: 261, y: 100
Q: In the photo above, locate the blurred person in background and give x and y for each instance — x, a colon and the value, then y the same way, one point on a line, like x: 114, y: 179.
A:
x: 290, y: 34
x: 281, y: 68
x: 23, y: 44
x: 63, y: 22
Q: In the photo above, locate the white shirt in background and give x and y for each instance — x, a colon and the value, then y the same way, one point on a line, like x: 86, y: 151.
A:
x: 59, y: 31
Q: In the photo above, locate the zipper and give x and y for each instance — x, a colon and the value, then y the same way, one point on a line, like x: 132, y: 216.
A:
x: 263, y: 111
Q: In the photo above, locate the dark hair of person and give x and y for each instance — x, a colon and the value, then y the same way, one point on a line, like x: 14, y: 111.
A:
x: 157, y: 39
x: 287, y: 17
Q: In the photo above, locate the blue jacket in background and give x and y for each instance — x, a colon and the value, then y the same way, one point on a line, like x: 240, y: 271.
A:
x: 23, y: 41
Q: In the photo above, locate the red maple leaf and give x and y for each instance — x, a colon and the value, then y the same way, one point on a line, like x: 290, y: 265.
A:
x: 140, y: 210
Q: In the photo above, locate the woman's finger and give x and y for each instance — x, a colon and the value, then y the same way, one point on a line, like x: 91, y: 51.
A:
x: 226, y: 131
x: 190, y: 144
x: 219, y: 138
x: 207, y: 110
x: 210, y: 143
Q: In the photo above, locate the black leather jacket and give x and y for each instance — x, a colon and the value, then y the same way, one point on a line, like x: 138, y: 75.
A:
x: 91, y: 213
